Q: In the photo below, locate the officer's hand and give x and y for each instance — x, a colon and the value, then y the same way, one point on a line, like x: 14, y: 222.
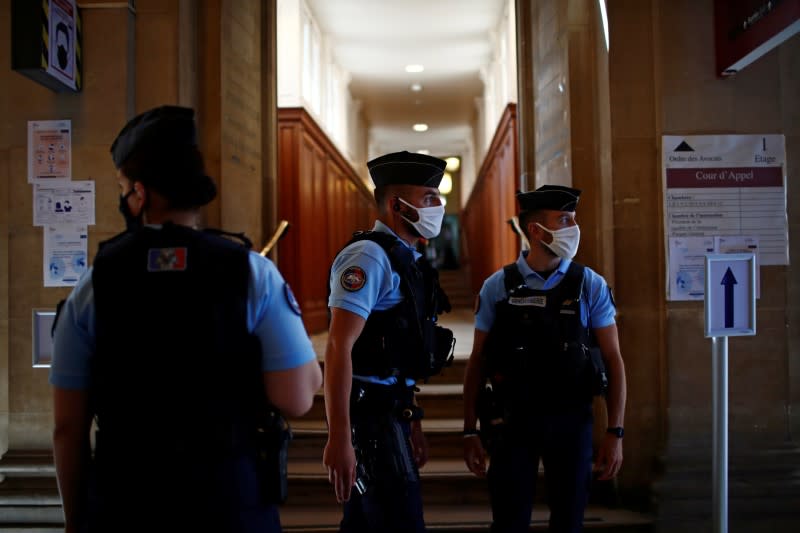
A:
x: 474, y: 455
x: 609, y: 458
x: 419, y: 444
x: 340, y: 460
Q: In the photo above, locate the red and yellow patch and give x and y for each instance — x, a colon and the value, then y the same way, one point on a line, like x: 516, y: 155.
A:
x: 353, y: 278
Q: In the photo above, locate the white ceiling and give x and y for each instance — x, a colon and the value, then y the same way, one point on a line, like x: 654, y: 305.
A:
x: 375, y: 39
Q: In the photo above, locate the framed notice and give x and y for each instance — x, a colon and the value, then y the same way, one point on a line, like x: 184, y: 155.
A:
x: 723, y: 186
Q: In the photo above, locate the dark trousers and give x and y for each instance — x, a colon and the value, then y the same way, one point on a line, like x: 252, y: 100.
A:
x: 385, y: 508
x: 564, y: 444
x: 392, y: 502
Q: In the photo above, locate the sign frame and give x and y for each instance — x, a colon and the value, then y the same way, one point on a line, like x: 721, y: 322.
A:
x: 713, y: 310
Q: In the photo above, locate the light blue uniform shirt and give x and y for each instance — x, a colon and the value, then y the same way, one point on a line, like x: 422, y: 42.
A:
x: 597, y: 302
x: 284, y: 341
x: 377, y: 291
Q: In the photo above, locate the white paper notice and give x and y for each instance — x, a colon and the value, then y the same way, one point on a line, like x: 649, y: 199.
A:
x: 687, y: 266
x: 728, y: 185
x: 49, y: 151
x: 739, y: 245
x: 63, y: 203
x: 65, y: 254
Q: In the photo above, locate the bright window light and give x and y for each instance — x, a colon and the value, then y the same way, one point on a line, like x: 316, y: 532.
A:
x: 446, y: 185
x: 604, y: 15
x: 414, y: 68
x: 420, y: 127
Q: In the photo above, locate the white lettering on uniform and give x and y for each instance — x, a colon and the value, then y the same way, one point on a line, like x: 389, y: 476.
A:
x: 536, y: 301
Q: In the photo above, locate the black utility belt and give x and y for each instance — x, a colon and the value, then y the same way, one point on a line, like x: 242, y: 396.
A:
x: 376, y: 399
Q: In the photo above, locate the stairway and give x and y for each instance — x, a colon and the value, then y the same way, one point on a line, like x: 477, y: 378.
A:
x: 456, y: 284
x: 455, y: 500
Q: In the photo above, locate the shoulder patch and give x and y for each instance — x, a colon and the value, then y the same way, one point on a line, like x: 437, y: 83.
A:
x: 166, y: 259
x: 291, y: 300
x: 353, y: 278
x: 477, y: 305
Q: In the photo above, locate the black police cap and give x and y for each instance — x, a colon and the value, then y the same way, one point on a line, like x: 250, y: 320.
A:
x: 406, y: 168
x: 555, y: 197
x: 164, y: 141
x: 164, y: 128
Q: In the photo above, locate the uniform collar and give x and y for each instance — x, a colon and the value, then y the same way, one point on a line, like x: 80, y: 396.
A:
x: 380, y: 226
x: 526, y: 270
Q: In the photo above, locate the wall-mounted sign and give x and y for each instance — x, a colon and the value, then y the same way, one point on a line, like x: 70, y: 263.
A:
x: 46, y: 42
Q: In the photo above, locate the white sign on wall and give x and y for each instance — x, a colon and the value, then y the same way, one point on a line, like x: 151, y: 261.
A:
x: 730, y: 295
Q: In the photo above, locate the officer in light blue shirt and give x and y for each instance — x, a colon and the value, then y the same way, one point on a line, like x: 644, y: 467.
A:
x: 546, y: 339
x: 180, y: 345
x: 384, y: 302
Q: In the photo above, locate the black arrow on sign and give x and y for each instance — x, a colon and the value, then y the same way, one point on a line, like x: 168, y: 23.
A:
x: 729, y: 280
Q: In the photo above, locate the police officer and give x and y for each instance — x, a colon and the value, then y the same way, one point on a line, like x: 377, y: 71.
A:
x: 383, y: 337
x: 546, y: 340
x: 179, y: 344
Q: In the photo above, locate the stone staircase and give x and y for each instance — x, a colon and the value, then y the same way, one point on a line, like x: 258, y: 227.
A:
x: 455, y: 500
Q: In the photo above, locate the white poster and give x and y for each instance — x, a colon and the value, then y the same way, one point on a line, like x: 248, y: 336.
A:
x: 742, y: 245
x: 725, y: 186
x: 686, y: 266
x: 65, y: 254
x: 69, y: 203
x: 61, y: 41
x: 49, y: 151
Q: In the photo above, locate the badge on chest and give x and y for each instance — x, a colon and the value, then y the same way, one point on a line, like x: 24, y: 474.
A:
x: 534, y: 301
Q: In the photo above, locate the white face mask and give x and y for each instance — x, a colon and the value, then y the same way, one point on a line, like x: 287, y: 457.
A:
x: 565, y: 241
x: 430, y: 219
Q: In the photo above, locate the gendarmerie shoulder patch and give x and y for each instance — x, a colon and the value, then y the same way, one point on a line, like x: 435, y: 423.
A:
x: 291, y: 300
x: 166, y: 259
x: 353, y: 278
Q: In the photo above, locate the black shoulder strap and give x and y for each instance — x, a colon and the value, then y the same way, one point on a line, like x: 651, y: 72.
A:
x: 400, y: 256
x: 573, y: 280
x: 241, y: 237
x: 512, y: 278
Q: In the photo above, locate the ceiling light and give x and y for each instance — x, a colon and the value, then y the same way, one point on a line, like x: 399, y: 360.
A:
x: 424, y: 151
x: 444, y: 201
x: 453, y: 164
x: 416, y: 87
x: 420, y: 127
x: 414, y: 68
x: 446, y: 185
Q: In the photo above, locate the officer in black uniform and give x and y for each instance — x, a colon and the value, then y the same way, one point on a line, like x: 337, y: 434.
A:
x: 185, y: 347
x: 384, y: 301
x: 546, y: 341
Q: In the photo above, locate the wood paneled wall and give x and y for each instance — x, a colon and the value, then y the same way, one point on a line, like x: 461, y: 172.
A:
x: 324, y: 200
x: 489, y: 241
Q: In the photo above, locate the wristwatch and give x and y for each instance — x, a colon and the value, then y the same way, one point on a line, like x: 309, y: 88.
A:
x: 616, y: 431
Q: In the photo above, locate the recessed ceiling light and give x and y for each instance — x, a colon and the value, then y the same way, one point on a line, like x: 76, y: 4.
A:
x: 416, y: 87
x: 420, y: 127
x: 453, y: 163
x: 424, y: 151
x: 414, y: 68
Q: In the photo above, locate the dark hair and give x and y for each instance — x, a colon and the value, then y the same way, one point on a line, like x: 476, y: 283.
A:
x: 177, y: 173
x: 526, y: 217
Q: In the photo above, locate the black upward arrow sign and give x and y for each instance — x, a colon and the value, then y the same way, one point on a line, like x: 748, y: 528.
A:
x: 729, y: 280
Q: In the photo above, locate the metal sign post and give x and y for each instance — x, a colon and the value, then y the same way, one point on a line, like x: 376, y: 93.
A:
x: 730, y: 310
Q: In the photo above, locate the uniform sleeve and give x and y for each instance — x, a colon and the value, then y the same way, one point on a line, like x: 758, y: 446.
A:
x: 273, y: 315
x: 361, y: 277
x: 74, y: 337
x: 492, y: 291
x: 601, y: 304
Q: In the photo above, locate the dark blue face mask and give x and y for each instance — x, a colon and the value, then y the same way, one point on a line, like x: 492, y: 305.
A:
x: 132, y: 222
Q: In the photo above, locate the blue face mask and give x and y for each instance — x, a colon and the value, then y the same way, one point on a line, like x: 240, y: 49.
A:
x: 132, y: 222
